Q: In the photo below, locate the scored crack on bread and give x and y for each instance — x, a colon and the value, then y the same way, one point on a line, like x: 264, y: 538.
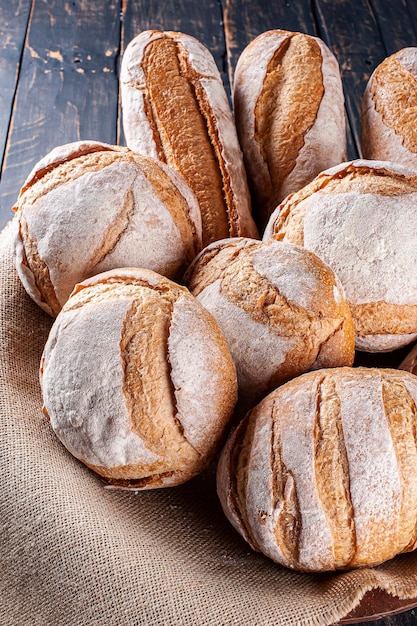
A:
x: 281, y: 310
x: 389, y: 110
x: 88, y: 207
x: 361, y: 219
x: 137, y: 379
x: 322, y: 474
x: 175, y: 108
x: 289, y: 110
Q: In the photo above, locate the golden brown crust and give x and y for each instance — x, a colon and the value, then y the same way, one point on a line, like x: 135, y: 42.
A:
x: 183, y: 141
x: 58, y: 210
x: 287, y: 106
x: 295, y: 315
x: 323, y: 470
x: 163, y: 350
x: 394, y: 93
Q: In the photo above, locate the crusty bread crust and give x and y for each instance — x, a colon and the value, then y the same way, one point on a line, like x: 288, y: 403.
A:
x: 361, y: 219
x: 175, y: 108
x: 321, y: 475
x: 389, y: 110
x: 289, y: 111
x: 88, y: 207
x: 281, y: 310
x: 137, y: 379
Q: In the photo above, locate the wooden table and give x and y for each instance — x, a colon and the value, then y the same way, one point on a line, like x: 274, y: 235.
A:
x: 59, y: 80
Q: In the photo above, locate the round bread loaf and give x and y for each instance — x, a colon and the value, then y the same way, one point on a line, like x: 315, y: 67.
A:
x: 175, y: 108
x: 389, y: 110
x: 280, y: 308
x: 88, y: 207
x: 322, y: 474
x: 137, y: 379
x: 289, y: 111
x: 361, y: 219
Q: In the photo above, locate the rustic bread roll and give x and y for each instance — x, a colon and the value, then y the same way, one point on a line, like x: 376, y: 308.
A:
x: 389, y: 110
x: 361, y: 219
x: 175, y: 108
x: 137, y: 379
x: 289, y: 110
x: 88, y: 207
x: 322, y: 474
x: 280, y: 308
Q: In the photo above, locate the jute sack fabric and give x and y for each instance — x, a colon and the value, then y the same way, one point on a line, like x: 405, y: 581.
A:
x: 73, y: 553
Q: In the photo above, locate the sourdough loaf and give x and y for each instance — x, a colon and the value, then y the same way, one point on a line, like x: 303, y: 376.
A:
x: 389, y: 110
x: 175, y: 108
x: 280, y: 308
x: 361, y: 219
x: 289, y: 110
x: 88, y: 207
x: 137, y: 379
x: 322, y: 474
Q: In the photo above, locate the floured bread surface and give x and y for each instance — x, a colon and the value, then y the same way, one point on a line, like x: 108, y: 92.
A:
x: 280, y: 308
x: 289, y: 110
x: 137, y: 379
x: 89, y: 207
x: 361, y: 219
x: 175, y: 108
x: 389, y: 110
x: 322, y: 474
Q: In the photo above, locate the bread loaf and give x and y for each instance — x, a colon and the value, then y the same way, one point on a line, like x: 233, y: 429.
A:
x: 389, y: 110
x: 322, y: 474
x: 88, y: 207
x: 280, y: 308
x: 137, y: 379
x: 289, y: 110
x: 175, y: 108
x: 361, y: 219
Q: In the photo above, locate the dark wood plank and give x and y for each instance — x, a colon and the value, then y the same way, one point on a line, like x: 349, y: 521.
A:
x: 395, y: 21
x: 352, y: 33
x: 14, y: 18
x: 67, y: 88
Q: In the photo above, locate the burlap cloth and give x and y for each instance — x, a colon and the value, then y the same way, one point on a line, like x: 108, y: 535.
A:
x: 74, y: 553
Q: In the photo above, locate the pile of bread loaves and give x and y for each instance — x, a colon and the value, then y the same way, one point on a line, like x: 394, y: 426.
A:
x: 180, y: 334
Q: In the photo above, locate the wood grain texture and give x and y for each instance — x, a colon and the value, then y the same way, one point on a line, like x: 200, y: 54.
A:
x: 14, y: 18
x: 67, y: 85
x: 351, y: 31
x: 396, y: 23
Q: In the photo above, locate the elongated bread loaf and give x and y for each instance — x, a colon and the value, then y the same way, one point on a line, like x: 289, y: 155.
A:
x: 389, y: 110
x: 175, y: 109
x: 137, y: 379
x: 280, y: 308
x: 88, y: 207
x: 361, y: 219
x: 322, y: 474
x: 289, y: 110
